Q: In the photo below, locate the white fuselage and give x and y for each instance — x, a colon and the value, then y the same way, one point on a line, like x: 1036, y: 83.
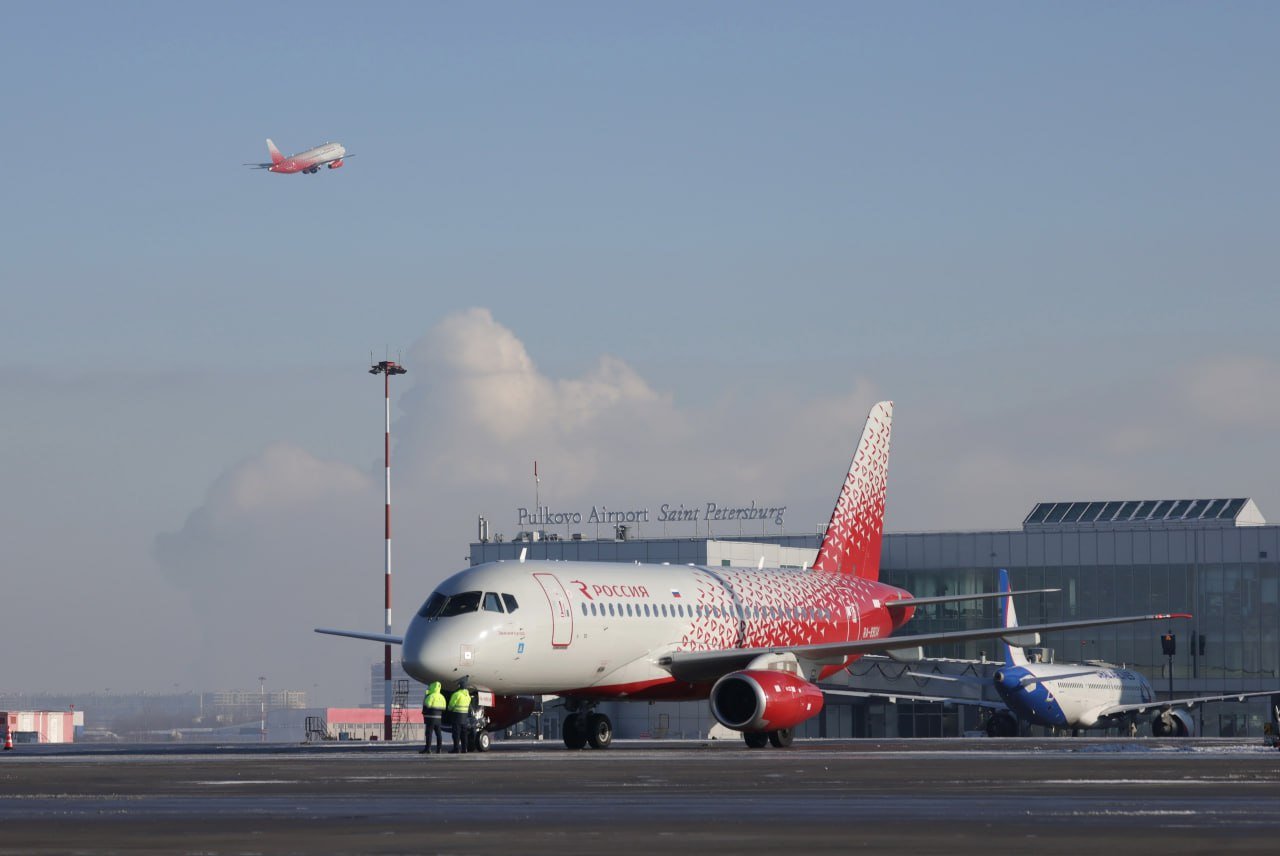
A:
x: 320, y: 154
x: 1070, y: 696
x: 599, y: 628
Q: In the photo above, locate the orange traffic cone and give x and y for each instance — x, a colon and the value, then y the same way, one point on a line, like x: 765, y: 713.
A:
x: 8, y: 738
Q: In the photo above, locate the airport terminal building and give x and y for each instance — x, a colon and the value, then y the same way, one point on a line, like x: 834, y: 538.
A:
x: 1215, y: 558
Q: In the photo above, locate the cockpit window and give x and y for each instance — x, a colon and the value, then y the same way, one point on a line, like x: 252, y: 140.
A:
x: 492, y: 603
x: 467, y: 601
x: 510, y: 601
x: 432, y: 607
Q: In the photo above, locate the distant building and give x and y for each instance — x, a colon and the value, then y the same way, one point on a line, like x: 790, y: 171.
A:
x: 377, y: 681
x: 144, y: 715
x: 1215, y: 558
x: 40, y: 726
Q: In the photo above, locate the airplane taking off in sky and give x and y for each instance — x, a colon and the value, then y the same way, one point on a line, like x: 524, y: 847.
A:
x: 329, y: 154
x: 753, y: 641
x: 1079, y: 696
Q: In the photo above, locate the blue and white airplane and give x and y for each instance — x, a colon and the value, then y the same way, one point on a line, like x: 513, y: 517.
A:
x: 1077, y: 696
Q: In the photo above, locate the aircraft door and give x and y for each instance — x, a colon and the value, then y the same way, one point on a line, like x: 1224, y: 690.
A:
x: 561, y: 614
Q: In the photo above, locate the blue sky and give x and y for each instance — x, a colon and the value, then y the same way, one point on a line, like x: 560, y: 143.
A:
x: 1046, y: 230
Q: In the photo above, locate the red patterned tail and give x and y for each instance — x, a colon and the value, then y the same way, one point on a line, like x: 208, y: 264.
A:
x: 852, y: 542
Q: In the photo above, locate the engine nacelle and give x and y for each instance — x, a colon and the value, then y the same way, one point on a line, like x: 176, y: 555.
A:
x: 1173, y: 723
x: 764, y: 700
x: 336, y: 164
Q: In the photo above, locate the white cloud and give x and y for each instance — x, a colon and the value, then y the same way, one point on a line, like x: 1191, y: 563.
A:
x: 286, y: 541
x: 1235, y: 391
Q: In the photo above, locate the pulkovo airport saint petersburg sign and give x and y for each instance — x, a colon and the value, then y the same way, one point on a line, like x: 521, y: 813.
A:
x: 713, y: 512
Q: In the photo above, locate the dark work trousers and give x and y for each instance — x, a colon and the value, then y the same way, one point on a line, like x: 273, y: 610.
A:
x: 432, y: 722
x: 459, y: 720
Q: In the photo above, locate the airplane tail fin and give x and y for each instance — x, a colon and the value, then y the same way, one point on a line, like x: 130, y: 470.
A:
x: 276, y: 157
x: 1013, y: 655
x: 851, y: 544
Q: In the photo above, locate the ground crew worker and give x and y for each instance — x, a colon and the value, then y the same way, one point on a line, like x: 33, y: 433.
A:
x: 433, y: 706
x: 460, y: 717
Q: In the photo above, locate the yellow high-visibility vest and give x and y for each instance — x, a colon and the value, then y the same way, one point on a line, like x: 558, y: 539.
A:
x: 460, y: 701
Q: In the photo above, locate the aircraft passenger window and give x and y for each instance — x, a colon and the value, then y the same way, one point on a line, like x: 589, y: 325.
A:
x: 628, y: 610
x: 510, y: 601
x: 680, y: 606
x: 611, y: 609
x: 664, y: 610
x: 646, y: 610
x: 492, y: 603
x: 468, y: 601
x: 584, y: 609
x: 593, y: 609
x: 432, y: 607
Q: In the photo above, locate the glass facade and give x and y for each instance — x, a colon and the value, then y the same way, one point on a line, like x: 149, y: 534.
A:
x: 1228, y: 578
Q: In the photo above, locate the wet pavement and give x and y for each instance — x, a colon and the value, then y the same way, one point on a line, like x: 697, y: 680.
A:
x: 924, y: 796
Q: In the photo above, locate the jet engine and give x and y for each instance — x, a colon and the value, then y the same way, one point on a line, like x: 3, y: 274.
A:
x: 1173, y: 723
x: 336, y: 164
x: 764, y: 700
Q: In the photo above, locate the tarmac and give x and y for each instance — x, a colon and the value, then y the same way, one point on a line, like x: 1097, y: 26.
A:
x: 917, y: 796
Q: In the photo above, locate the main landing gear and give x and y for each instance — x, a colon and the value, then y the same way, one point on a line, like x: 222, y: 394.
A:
x: 1002, y: 724
x: 583, y: 726
x: 781, y: 739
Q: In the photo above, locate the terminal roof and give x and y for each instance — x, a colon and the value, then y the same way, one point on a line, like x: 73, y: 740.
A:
x: 1144, y: 512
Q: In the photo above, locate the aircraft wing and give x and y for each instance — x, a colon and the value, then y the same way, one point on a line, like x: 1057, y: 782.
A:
x: 959, y: 598
x: 973, y: 680
x: 894, y: 698
x: 1191, y: 701
x: 703, y: 666
x: 385, y: 638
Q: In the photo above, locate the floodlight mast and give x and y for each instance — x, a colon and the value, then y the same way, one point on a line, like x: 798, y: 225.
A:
x: 387, y: 368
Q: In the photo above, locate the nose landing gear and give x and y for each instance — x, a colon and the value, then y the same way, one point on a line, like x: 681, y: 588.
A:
x: 583, y: 726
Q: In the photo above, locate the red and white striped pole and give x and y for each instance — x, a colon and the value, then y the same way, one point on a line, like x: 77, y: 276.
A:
x: 387, y: 368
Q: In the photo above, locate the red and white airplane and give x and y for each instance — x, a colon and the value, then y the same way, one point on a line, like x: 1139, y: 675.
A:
x: 329, y: 154
x: 751, y: 640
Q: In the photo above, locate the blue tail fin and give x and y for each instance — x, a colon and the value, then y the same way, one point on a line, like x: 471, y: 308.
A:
x: 1013, y: 655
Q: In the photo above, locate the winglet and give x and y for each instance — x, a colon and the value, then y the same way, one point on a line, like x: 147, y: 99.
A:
x: 852, y: 541
x: 276, y: 157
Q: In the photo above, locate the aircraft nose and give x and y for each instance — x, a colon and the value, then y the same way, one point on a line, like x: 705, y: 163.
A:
x: 424, y: 653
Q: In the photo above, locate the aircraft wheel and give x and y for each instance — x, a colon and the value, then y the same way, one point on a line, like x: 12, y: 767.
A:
x: 482, y: 741
x: 574, y: 731
x: 782, y: 738
x: 599, y: 731
x: 756, y: 739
